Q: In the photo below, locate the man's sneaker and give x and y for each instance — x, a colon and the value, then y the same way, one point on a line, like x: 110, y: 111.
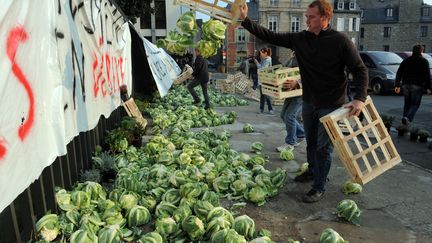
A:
x: 284, y: 147
x: 305, y: 177
x: 196, y: 102
x: 260, y: 112
x: 271, y: 112
x: 313, y: 196
x: 405, y: 121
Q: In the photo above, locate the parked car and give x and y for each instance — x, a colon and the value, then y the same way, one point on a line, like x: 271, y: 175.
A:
x: 405, y: 54
x: 382, y: 67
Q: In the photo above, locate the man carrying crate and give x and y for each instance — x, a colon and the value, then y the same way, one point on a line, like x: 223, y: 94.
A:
x: 322, y: 54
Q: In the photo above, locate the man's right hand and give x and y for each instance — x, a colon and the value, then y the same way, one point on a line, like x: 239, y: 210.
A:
x: 243, y: 11
x: 397, y: 90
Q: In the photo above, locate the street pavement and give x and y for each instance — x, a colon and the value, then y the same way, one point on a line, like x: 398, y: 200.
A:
x: 412, y: 152
x: 395, y: 205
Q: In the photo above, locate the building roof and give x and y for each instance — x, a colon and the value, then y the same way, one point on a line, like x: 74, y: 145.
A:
x: 378, y: 15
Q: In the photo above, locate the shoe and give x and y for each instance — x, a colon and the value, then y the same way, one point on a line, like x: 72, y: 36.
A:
x: 196, y: 102
x: 260, y: 112
x: 299, y: 141
x: 271, y: 112
x: 305, y: 177
x: 285, y: 147
x: 405, y: 121
x: 313, y: 196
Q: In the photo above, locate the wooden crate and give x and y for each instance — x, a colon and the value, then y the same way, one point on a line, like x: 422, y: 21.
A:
x: 242, y: 85
x: 364, y: 157
x: 277, y: 75
x: 185, y: 75
x: 278, y: 102
x: 133, y: 111
x: 252, y: 94
x: 278, y: 93
x: 212, y: 8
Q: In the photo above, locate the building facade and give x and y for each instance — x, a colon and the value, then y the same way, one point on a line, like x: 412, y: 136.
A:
x: 156, y: 26
x: 395, y: 25
x: 289, y: 16
x: 239, y: 42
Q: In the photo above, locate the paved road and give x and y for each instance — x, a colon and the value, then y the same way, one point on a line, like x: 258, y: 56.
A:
x: 393, y: 105
x: 417, y: 153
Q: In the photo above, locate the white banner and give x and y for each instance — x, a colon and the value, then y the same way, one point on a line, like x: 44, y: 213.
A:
x: 61, y: 65
x: 163, y: 67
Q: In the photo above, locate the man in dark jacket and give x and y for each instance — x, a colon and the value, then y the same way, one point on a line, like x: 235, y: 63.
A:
x: 322, y: 54
x: 201, y: 77
x: 414, y: 77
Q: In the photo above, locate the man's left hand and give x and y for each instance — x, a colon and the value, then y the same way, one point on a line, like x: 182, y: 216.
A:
x: 356, y: 107
x: 290, y: 84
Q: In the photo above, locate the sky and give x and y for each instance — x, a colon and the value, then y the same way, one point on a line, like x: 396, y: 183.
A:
x: 428, y: 1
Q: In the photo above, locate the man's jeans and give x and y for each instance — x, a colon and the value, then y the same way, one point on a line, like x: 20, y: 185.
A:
x: 319, y: 147
x: 413, y: 96
x: 191, y: 89
x: 290, y: 111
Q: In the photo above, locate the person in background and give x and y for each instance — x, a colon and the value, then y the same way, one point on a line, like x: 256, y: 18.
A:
x: 244, y: 66
x: 200, y: 77
x: 253, y: 73
x: 322, y: 53
x: 289, y: 113
x: 266, y: 61
x: 413, y: 76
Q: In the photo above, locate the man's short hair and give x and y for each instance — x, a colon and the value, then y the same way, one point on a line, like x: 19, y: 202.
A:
x: 417, y: 50
x: 324, y: 8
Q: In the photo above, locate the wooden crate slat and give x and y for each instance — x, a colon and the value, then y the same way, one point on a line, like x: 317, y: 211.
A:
x: 277, y: 75
x: 187, y: 74
x: 278, y: 93
x: 367, y: 163
x: 133, y: 111
x: 212, y: 9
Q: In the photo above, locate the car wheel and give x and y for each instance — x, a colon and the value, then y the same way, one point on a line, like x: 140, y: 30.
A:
x: 377, y: 86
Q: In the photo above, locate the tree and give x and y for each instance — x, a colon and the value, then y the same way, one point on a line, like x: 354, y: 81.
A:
x: 133, y: 9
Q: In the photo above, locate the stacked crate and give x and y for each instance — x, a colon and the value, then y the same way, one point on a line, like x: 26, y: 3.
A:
x: 273, y: 78
x: 365, y: 157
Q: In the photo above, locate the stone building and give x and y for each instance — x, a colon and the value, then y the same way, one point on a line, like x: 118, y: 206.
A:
x: 395, y: 25
x: 239, y: 42
x: 289, y: 16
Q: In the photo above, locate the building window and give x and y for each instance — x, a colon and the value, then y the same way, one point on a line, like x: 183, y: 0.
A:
x: 425, y: 12
x: 296, y: 3
x: 352, y: 5
x: 340, y: 5
x: 274, y: 3
x: 387, y: 32
x: 389, y: 12
x: 340, y: 24
x: 386, y: 48
x: 272, y: 23
x: 362, y: 31
x: 423, y: 31
x: 240, y: 35
x: 295, y: 24
x: 160, y: 14
x: 354, y: 24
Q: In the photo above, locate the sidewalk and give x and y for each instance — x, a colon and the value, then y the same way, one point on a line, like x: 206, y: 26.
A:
x: 395, y: 206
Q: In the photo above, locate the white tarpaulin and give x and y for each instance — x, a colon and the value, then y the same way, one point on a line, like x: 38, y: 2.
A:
x: 61, y: 67
x: 162, y: 66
